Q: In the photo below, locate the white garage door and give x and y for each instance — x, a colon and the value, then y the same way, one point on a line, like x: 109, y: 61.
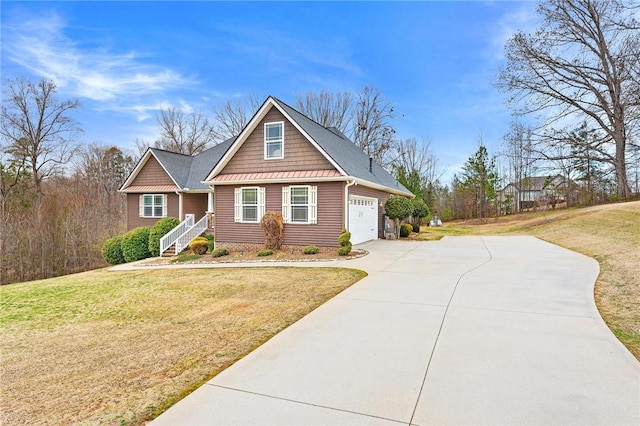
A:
x: 363, y: 219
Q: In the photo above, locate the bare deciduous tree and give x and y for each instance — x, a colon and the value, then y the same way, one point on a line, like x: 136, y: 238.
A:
x: 36, y: 127
x: 232, y: 116
x: 328, y: 108
x: 186, y: 133
x: 581, y: 64
x: 373, y: 132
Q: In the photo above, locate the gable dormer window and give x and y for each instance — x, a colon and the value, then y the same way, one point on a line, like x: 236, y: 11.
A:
x: 274, y: 140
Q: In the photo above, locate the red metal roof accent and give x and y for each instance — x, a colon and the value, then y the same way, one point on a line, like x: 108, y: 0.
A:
x: 150, y: 188
x: 277, y: 175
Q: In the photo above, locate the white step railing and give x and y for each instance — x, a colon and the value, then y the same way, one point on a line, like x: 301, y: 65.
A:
x: 195, y: 231
x: 172, y: 236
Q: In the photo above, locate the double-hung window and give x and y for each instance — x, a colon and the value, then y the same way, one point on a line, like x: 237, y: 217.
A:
x: 274, y: 140
x: 299, y: 204
x: 249, y: 204
x: 153, y: 205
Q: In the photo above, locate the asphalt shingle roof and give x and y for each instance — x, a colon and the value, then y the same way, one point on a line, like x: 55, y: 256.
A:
x: 189, y: 171
x: 343, y: 152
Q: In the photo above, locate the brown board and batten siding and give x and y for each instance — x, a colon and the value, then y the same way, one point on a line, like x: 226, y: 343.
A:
x: 152, y: 174
x: 133, y: 210
x: 195, y: 204
x: 299, y: 153
x: 323, y: 234
x: 364, y: 191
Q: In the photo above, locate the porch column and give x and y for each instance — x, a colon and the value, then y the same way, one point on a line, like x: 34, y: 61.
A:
x: 180, y: 207
x: 210, y: 207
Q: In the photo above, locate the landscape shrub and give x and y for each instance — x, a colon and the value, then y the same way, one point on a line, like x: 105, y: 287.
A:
x: 311, y: 249
x: 405, y: 230
x: 345, y: 243
x: 265, y: 252
x: 159, y: 230
x: 199, y: 245
x: 211, y: 241
x: 135, y: 244
x: 112, y: 251
x: 420, y: 209
x: 416, y: 227
x: 272, y: 225
x: 219, y: 252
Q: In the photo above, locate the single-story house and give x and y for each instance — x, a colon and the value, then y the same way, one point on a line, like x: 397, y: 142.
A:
x: 282, y: 160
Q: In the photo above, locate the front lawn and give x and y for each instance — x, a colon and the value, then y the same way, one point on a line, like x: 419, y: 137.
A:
x: 121, y: 347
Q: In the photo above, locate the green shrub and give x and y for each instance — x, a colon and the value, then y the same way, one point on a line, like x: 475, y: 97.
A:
x: 199, y: 245
x: 211, y: 240
x: 311, y: 250
x: 159, y: 230
x: 219, y: 252
x: 112, y: 251
x: 405, y: 230
x: 416, y: 227
x: 135, y: 244
x: 344, y: 238
x: 265, y: 252
x: 345, y: 243
x: 345, y: 250
x: 420, y: 208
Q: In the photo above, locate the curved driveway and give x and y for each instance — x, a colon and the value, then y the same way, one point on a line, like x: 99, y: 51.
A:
x: 467, y: 330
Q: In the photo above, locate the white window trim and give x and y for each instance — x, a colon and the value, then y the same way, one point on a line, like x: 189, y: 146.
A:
x: 141, y: 206
x: 238, y: 206
x: 281, y: 140
x: 312, y: 204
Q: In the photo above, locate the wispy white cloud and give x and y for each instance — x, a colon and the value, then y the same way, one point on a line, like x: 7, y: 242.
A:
x: 114, y: 80
x: 524, y: 18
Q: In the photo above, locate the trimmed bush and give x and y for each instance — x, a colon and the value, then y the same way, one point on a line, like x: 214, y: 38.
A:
x: 159, y: 230
x: 420, y: 209
x: 311, y: 250
x: 344, y: 238
x: 210, y: 241
x: 345, y: 243
x: 345, y: 250
x: 265, y: 252
x: 135, y: 244
x: 416, y: 227
x: 405, y: 230
x: 219, y: 252
x: 272, y: 225
x: 112, y: 251
x: 398, y: 207
x: 199, y: 245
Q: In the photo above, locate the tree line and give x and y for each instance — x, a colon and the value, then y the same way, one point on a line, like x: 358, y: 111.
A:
x: 573, y: 86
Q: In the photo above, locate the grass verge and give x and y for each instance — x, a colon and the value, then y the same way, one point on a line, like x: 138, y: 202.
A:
x: 120, y: 347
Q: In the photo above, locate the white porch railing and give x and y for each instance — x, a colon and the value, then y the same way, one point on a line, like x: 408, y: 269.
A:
x: 172, y: 236
x: 196, y: 230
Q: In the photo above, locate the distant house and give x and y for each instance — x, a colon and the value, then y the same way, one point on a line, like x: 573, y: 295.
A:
x: 282, y: 160
x: 537, y: 191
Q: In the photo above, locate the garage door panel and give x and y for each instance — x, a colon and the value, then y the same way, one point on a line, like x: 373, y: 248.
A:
x: 363, y: 219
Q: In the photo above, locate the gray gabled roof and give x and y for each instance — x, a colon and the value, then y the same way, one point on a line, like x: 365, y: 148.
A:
x: 189, y: 171
x: 202, y: 164
x: 345, y: 153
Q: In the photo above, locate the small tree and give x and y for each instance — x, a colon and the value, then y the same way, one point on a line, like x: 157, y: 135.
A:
x: 420, y: 209
x: 272, y: 225
x: 398, y: 208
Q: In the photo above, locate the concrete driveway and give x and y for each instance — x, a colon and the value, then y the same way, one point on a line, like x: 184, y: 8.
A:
x: 467, y: 330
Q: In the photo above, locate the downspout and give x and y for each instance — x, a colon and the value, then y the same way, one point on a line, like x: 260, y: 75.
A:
x: 180, y: 207
x: 346, y: 202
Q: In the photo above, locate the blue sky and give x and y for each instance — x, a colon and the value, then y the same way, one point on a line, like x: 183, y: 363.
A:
x: 436, y: 62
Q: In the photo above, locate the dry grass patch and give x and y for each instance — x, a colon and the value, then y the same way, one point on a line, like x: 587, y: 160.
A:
x: 105, y: 347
